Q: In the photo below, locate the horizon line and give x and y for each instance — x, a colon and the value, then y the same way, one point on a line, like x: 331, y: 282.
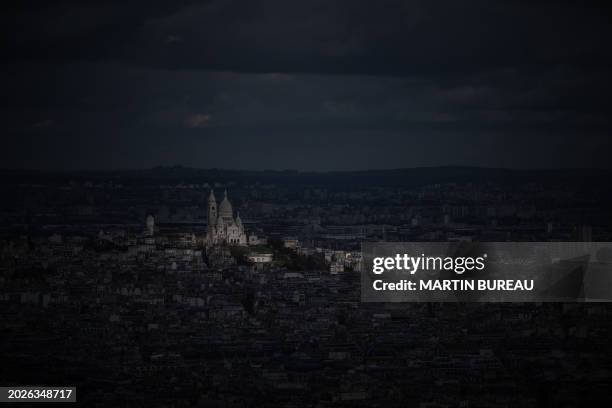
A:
x: 302, y: 171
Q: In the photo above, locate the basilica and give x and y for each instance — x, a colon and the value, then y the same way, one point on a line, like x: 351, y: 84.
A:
x: 223, y: 228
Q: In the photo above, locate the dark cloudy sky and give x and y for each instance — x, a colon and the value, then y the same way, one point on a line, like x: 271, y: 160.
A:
x: 318, y: 85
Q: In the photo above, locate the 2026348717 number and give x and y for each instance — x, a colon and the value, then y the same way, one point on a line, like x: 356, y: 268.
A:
x: 35, y: 394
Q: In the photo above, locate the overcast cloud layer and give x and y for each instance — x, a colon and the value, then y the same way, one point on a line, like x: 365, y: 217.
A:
x: 310, y: 85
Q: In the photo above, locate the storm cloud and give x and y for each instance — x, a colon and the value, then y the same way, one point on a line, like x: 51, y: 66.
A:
x: 312, y: 85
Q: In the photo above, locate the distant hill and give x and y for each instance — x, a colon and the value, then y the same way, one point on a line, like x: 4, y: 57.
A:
x: 408, y: 177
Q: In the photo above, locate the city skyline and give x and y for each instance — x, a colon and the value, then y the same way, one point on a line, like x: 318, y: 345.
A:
x: 198, y: 196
